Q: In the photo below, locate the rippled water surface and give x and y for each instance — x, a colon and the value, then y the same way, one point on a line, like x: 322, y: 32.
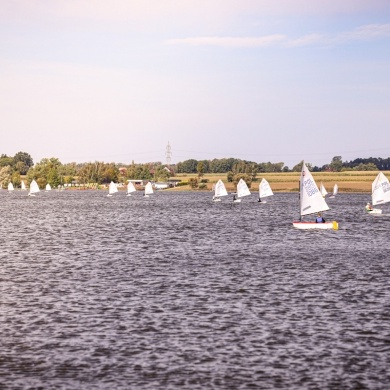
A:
x: 178, y: 292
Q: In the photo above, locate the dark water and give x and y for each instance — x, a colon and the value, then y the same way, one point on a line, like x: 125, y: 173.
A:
x: 178, y: 292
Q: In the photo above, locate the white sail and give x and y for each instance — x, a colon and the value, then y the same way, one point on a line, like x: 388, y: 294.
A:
x: 380, y: 190
x: 323, y: 190
x: 310, y: 197
x: 34, y: 188
x: 148, y: 188
x: 220, y: 189
x: 130, y: 188
x: 48, y: 187
x: 242, y: 189
x: 10, y: 186
x: 335, y: 189
x: 264, y: 189
x: 23, y: 186
x: 112, y: 188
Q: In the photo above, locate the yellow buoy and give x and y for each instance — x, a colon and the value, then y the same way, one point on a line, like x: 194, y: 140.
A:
x: 335, y: 225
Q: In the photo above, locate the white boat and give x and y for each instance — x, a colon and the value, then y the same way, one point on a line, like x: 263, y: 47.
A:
x: 311, y: 202
x: 380, y: 192
x: 23, y: 186
x: 130, y: 188
x: 242, y: 190
x: 264, y: 190
x: 335, y: 191
x: 10, y: 187
x: 323, y: 190
x: 219, y: 190
x: 48, y: 187
x: 34, y: 188
x: 112, y: 188
x: 148, y: 189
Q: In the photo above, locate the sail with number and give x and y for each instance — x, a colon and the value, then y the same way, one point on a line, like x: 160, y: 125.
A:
x: 380, y: 190
x: 311, y: 198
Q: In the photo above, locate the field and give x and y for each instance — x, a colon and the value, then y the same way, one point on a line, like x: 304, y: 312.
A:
x: 348, y: 181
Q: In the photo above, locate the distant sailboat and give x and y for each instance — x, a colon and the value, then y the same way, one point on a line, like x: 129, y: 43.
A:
x: 311, y: 201
x: 130, y: 188
x: 23, y: 186
x: 219, y: 190
x: 242, y: 190
x: 323, y: 190
x: 335, y: 191
x: 48, y: 187
x: 10, y: 187
x: 34, y: 188
x: 380, y: 192
x: 148, y: 189
x: 112, y: 188
x: 264, y: 190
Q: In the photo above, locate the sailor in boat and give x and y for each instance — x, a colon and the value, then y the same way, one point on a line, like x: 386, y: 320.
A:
x: 259, y: 200
x: 368, y: 207
x: 234, y: 198
x: 320, y: 218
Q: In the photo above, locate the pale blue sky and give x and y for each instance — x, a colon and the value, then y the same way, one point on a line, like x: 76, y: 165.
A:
x: 263, y: 80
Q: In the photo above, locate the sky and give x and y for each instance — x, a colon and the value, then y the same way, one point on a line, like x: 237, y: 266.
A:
x: 259, y: 80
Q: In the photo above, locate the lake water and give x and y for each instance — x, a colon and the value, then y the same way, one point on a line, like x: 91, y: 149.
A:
x: 178, y: 292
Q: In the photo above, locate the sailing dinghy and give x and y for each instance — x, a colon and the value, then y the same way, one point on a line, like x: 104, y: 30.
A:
x: 48, y: 187
x: 335, y: 191
x: 148, y: 189
x: 10, y: 187
x: 130, y: 188
x: 112, y: 188
x: 34, y: 188
x: 264, y: 190
x: 380, y: 192
x: 23, y: 186
x: 311, y: 202
x: 242, y: 190
x: 323, y: 190
x: 219, y: 190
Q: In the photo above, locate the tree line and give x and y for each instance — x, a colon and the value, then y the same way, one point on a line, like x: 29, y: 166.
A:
x: 52, y: 171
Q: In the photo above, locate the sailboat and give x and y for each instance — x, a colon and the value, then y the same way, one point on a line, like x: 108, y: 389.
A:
x: 219, y: 190
x: 380, y: 192
x: 264, y: 190
x: 242, y: 190
x: 148, y: 189
x: 112, y: 188
x: 10, y: 187
x: 34, y: 188
x: 48, y: 187
x: 311, y: 201
x: 335, y: 191
x: 130, y: 188
x: 23, y: 186
x: 323, y: 190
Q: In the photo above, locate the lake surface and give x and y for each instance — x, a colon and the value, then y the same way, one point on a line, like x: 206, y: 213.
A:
x: 177, y: 292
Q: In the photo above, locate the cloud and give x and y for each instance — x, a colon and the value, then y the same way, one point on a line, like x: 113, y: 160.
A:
x: 363, y: 33
x: 230, y: 41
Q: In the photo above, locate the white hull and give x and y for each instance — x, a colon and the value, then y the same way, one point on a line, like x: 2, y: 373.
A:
x: 217, y: 200
x: 315, y: 225
x: 237, y: 201
x: 374, y: 211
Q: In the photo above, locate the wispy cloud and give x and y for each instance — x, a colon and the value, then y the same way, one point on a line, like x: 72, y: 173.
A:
x: 230, y: 41
x: 363, y: 33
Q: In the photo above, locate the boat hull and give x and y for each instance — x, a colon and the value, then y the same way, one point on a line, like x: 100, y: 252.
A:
x: 314, y: 225
x: 374, y: 211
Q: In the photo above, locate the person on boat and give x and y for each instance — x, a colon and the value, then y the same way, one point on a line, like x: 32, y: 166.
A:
x: 259, y: 200
x: 368, y: 207
x: 234, y: 198
x: 320, y: 218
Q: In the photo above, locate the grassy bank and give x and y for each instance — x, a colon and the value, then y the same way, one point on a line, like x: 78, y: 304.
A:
x: 349, y: 181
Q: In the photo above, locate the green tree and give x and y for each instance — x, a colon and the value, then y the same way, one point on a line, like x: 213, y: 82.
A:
x: 337, y: 164
x: 200, y: 168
